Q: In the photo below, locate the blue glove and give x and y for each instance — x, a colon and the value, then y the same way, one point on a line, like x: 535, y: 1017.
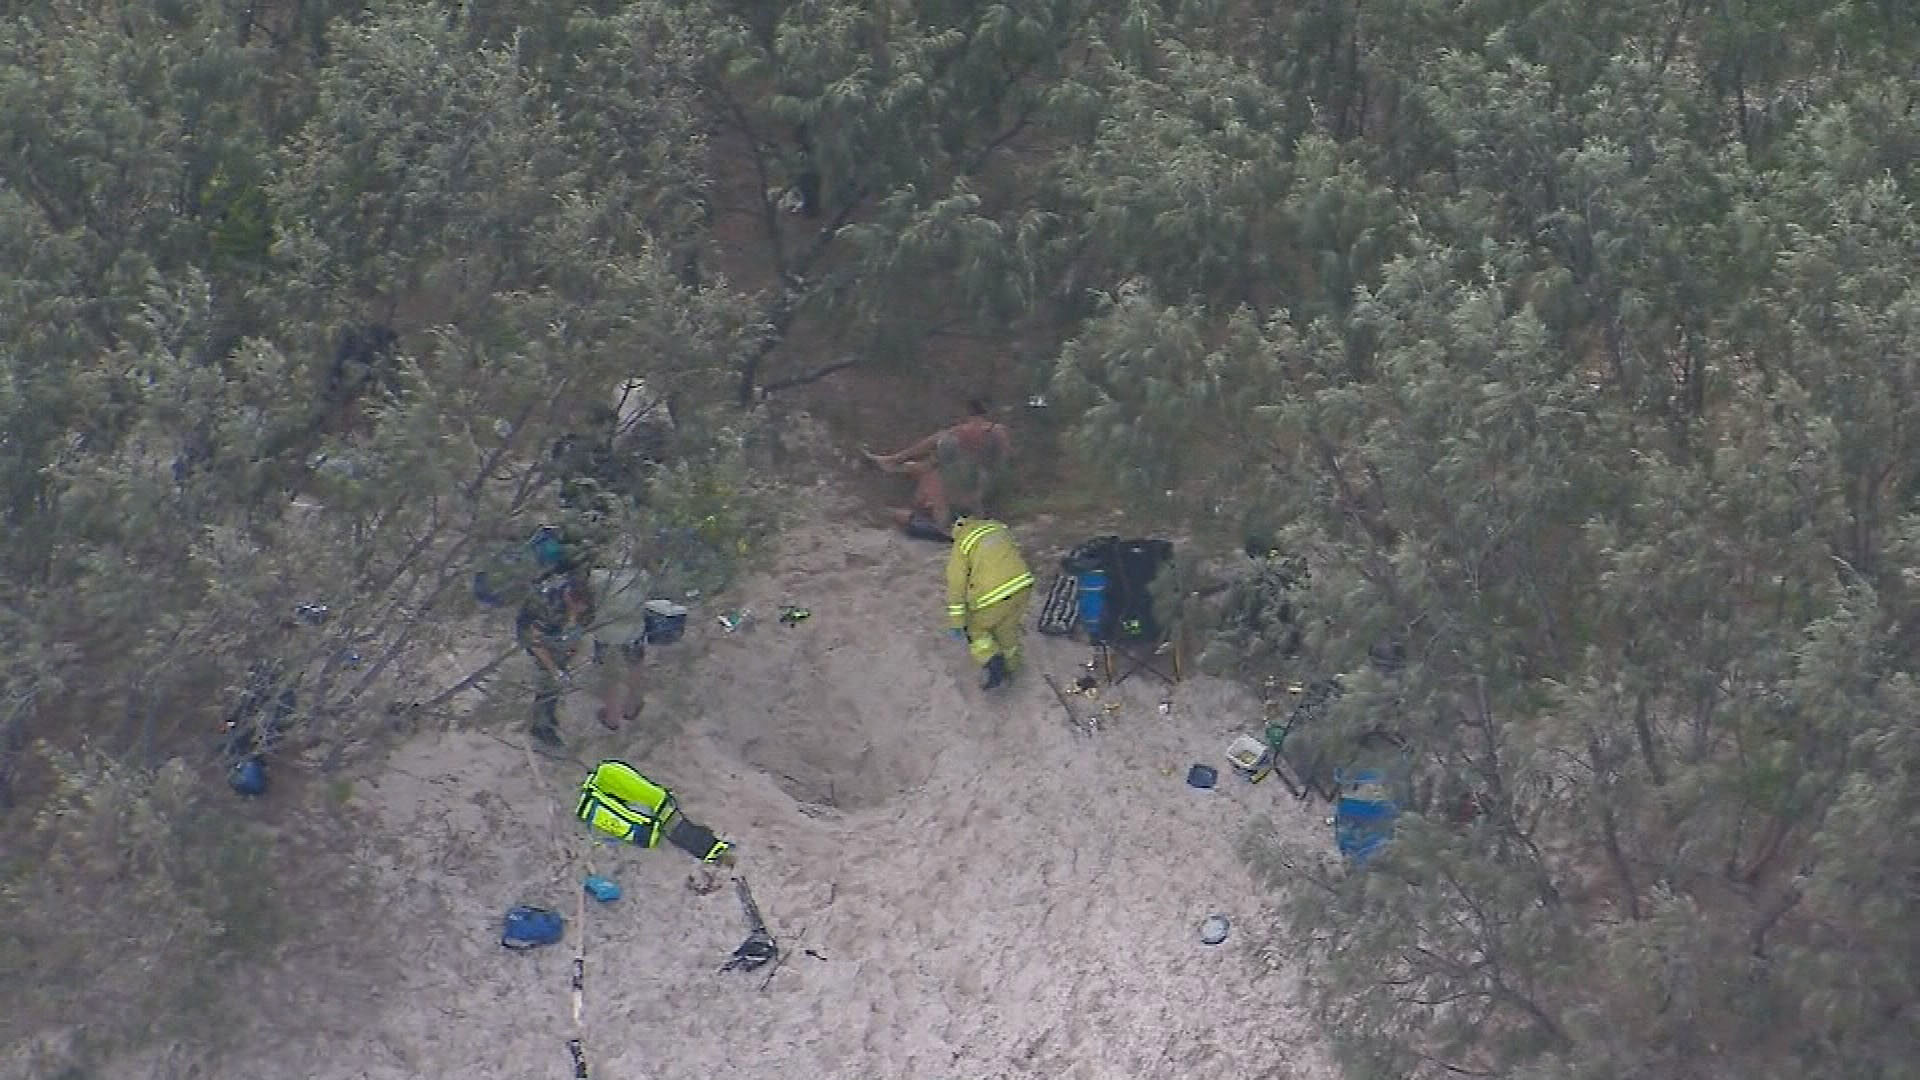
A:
x: 959, y: 636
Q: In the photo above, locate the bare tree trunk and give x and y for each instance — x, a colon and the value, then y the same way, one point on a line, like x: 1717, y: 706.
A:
x: 1505, y: 813
x: 1673, y: 35
x: 12, y: 728
x: 1774, y: 842
x: 1603, y: 773
x: 1770, y: 916
x: 1643, y: 731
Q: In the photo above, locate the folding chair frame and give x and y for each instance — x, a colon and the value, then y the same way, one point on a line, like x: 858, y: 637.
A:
x: 1120, y: 660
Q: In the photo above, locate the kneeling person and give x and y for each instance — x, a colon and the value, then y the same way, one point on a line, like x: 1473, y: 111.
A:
x: 930, y: 517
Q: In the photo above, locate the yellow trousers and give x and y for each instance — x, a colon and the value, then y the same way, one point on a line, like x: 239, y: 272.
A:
x: 997, y: 628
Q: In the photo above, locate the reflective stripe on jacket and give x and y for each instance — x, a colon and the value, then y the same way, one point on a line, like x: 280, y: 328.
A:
x: 984, y: 569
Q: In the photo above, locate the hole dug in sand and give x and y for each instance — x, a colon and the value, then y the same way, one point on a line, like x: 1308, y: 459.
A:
x: 850, y: 708
x: 851, y: 768
x: 841, y: 728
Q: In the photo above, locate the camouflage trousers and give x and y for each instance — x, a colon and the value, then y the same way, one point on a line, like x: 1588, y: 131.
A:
x: 617, y: 681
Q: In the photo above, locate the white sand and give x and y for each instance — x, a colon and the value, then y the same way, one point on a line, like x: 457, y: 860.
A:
x: 993, y: 893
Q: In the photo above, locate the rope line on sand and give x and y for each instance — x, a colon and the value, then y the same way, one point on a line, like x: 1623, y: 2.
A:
x: 569, y: 846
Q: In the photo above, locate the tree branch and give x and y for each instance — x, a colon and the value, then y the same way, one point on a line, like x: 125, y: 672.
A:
x: 813, y: 376
x: 979, y: 159
x: 830, y: 230
x: 478, y: 676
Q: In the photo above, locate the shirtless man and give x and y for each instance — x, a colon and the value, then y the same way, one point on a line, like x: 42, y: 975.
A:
x: 969, y: 457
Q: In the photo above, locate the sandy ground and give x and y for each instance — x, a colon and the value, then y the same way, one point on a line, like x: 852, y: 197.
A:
x: 987, y: 892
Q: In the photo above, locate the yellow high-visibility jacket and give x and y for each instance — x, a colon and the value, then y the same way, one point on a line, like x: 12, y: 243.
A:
x: 984, y: 569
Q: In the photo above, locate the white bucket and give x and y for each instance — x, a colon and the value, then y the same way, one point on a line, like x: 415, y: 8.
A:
x: 1248, y: 754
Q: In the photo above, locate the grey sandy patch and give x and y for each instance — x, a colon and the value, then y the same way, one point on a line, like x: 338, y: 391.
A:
x: 996, y: 895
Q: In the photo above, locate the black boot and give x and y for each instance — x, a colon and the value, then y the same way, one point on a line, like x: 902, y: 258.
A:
x: 997, y: 673
x: 548, y: 735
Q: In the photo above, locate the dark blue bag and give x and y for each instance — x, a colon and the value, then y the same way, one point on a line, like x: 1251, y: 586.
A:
x: 530, y: 927
x: 248, y: 776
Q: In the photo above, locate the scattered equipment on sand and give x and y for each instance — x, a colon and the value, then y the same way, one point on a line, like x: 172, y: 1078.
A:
x: 1113, y: 607
x: 605, y: 890
x: 1214, y: 930
x: 759, y: 948
x: 1088, y: 726
x: 1060, y: 611
x: 663, y: 621
x: 1251, y: 756
x: 619, y: 801
x: 528, y: 927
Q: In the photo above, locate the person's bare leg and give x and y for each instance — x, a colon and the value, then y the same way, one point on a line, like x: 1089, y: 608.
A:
x: 901, y: 458
x: 930, y: 494
x: 624, y: 694
x: 636, y: 684
x: 887, y: 465
x: 615, y: 694
x: 941, y: 510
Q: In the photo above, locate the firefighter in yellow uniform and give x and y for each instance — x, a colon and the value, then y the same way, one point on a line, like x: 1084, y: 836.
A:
x: 988, y: 590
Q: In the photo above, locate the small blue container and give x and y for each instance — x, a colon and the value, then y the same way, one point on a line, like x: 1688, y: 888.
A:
x: 1093, y: 601
x: 602, y: 889
x: 1202, y: 776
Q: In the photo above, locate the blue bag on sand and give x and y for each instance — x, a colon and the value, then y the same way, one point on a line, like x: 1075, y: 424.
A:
x: 602, y: 889
x: 530, y: 927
